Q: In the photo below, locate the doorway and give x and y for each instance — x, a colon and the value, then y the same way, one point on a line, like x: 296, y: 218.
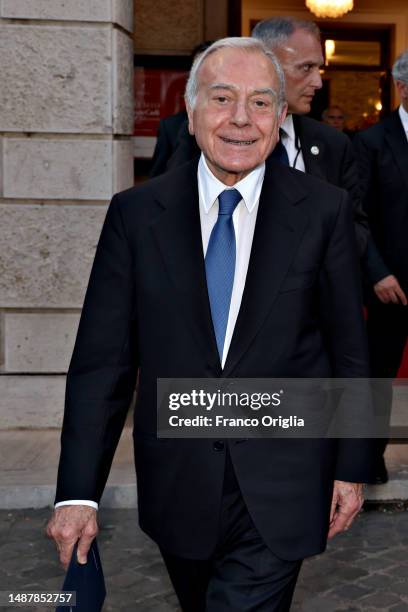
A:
x: 356, y: 76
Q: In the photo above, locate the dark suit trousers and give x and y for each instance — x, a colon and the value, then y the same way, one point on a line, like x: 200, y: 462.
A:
x: 387, y: 327
x: 243, y: 575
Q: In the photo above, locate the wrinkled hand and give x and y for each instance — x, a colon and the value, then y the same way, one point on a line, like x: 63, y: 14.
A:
x: 346, y: 504
x: 69, y: 524
x: 388, y: 290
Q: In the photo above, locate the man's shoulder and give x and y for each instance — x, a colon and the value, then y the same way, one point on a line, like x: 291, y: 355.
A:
x: 374, y: 135
x: 173, y: 123
x: 158, y: 187
x: 309, y: 127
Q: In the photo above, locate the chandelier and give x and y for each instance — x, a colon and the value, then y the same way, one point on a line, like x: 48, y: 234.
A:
x: 329, y: 8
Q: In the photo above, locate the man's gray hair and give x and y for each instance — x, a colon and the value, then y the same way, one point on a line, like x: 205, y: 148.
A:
x: 400, y: 67
x: 275, y: 31
x: 243, y: 43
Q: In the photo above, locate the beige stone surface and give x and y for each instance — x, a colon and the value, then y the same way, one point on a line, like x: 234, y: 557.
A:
x: 39, y: 342
x: 122, y: 13
x: 1, y: 341
x: 31, y: 401
x: 55, y: 79
x: 123, y: 99
x: 1, y: 167
x: 117, y: 11
x: 170, y: 26
x: 82, y: 10
x: 399, y: 414
x: 57, y: 169
x: 123, y: 173
x: 46, y: 253
x: 29, y: 462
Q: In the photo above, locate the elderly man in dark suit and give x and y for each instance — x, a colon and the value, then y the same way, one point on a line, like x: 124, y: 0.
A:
x: 383, y: 157
x: 215, y: 270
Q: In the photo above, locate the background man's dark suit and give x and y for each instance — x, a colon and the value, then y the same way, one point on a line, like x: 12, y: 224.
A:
x: 333, y: 161
x: 171, y: 130
x: 168, y: 138
x: 147, y: 307
x: 383, y: 157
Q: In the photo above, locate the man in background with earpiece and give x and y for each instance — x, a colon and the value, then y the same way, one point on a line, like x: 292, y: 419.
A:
x: 306, y: 144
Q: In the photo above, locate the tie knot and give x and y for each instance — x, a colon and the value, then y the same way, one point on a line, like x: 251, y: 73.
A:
x: 228, y: 201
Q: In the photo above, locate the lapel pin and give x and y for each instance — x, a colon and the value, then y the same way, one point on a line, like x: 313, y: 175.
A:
x: 314, y: 150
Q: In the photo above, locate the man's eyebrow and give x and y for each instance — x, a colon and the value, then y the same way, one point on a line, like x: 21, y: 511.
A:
x: 256, y: 92
x: 266, y: 90
x: 223, y: 86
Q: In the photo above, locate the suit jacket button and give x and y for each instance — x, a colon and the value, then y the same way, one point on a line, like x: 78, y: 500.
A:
x: 219, y: 445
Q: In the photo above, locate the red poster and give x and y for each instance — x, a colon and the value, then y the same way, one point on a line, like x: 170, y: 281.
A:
x: 158, y: 93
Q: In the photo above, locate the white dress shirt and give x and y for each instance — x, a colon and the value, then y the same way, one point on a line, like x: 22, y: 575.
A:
x: 288, y: 139
x: 243, y: 218
x: 404, y: 119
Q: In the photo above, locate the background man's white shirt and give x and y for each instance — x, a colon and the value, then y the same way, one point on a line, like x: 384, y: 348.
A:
x: 288, y: 139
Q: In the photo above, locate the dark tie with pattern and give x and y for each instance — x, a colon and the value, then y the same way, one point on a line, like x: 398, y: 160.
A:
x: 220, y: 264
x: 279, y: 153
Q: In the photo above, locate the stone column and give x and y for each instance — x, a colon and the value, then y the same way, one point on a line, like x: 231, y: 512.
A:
x: 66, y: 117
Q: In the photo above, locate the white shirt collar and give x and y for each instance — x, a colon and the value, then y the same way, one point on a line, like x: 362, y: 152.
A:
x: 404, y: 117
x: 210, y: 187
x: 288, y: 127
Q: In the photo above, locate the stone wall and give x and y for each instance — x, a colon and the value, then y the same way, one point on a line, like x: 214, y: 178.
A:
x: 66, y: 117
x: 175, y: 28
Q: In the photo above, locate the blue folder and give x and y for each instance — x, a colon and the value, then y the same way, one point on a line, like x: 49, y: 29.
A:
x: 87, y: 581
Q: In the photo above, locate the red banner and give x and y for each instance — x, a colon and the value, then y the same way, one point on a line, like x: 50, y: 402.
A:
x: 158, y: 93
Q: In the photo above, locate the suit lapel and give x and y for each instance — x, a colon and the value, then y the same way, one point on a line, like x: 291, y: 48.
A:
x: 279, y: 228
x: 313, y: 148
x: 178, y: 236
x: 397, y: 140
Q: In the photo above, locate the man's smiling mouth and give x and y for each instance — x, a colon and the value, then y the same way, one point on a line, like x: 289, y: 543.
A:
x: 237, y: 142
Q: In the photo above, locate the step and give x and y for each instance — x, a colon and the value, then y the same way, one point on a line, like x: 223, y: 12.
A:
x: 28, y: 472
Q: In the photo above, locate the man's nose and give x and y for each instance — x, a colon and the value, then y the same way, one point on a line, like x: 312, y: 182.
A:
x: 240, y: 115
x: 317, y: 82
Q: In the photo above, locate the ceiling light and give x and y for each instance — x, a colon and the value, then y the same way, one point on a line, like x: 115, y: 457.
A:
x: 329, y: 8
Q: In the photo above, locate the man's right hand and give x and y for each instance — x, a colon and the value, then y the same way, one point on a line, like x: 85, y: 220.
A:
x: 69, y: 525
x: 388, y: 290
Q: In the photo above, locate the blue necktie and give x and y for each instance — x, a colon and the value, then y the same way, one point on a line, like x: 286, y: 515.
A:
x: 280, y: 153
x: 220, y: 264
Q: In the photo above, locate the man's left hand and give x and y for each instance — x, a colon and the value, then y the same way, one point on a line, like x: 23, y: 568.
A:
x: 346, y: 504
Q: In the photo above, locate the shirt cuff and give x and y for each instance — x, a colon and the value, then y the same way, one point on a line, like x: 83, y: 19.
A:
x: 77, y: 502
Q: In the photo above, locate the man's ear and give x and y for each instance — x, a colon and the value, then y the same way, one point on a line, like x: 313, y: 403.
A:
x: 190, y: 119
x: 283, y: 114
x: 402, y: 89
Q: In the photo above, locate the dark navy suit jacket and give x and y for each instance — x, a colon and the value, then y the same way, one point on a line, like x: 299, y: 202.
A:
x: 147, y: 310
